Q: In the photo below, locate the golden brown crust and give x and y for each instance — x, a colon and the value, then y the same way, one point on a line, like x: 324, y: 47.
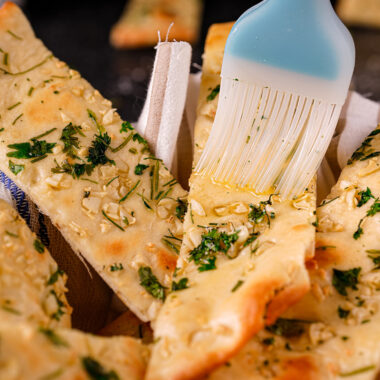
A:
x: 142, y: 20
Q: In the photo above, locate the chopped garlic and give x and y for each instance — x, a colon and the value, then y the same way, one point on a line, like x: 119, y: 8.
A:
x: 197, y: 208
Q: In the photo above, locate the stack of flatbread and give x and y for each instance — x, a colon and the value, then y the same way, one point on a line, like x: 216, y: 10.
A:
x: 229, y: 279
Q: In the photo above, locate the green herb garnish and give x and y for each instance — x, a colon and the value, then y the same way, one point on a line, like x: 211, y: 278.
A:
x: 171, y: 245
x: 38, y: 246
x: 11, y: 234
x: 180, y: 285
x: 96, y: 371
x: 70, y: 141
x: 17, y: 118
x: 27, y: 70
x: 181, y: 209
x: 212, y: 242
x: 15, y: 168
x: 112, y: 221
x: 58, y: 314
x: 268, y: 341
x: 116, y: 267
x: 214, y: 92
x: 126, y: 126
x: 130, y: 192
x: 237, y: 286
x: 151, y: 284
x: 343, y: 313
x: 14, y: 35
x: 53, y: 337
x: 139, y: 169
x: 252, y: 237
x: 13, y: 106
x: 38, y: 149
x: 54, y: 277
x: 364, y: 197
x: 327, y: 201
x: 358, y: 371
x: 288, y: 327
x: 343, y: 279
x: 259, y: 212
x: 96, y: 152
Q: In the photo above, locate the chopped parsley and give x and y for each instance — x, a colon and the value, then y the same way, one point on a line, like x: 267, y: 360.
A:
x: 96, y: 152
x: 288, y: 327
x: 15, y: 168
x: 70, y: 141
x: 116, y: 267
x: 214, y: 92
x: 181, y: 209
x: 75, y: 170
x: 151, y: 284
x: 54, y: 277
x: 213, y: 241
x: 36, y: 150
x: 139, y: 169
x: 13, y: 106
x: 53, y: 337
x: 96, y: 371
x: 373, y: 210
x: 259, y: 212
x: 180, y: 285
x: 38, y: 246
x: 364, y: 197
x: 343, y: 313
x: 17, y: 118
x: 237, y: 286
x: 92, y: 116
x: 374, y: 255
x: 343, y: 279
x: 126, y: 126
x: 58, y: 314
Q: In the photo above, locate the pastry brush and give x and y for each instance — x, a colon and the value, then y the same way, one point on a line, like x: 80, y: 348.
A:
x: 286, y: 71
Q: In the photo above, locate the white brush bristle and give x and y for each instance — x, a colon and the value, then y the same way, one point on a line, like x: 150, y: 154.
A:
x: 266, y: 139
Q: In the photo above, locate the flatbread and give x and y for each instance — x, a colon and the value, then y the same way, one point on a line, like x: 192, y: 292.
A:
x: 32, y: 287
x: 142, y: 19
x: 359, y: 12
x: 32, y: 353
x: 242, y: 258
x: 333, y: 331
x: 92, y: 174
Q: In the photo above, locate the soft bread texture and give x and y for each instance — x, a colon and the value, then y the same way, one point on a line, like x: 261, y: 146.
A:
x: 32, y: 288
x: 359, y: 12
x: 31, y: 353
x: 201, y: 327
x: 115, y: 218
x: 337, y: 334
x: 142, y: 19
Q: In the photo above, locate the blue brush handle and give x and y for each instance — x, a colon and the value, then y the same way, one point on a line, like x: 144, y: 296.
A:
x: 296, y: 35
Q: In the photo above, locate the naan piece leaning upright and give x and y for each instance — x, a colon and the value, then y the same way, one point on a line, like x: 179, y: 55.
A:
x: 242, y: 262
x: 93, y: 175
x: 333, y: 332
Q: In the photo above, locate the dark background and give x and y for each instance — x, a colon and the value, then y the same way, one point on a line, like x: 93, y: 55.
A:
x: 78, y: 33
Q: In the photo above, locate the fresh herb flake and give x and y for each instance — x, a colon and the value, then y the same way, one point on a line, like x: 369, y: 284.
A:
x: 343, y: 279
x: 15, y: 168
x: 151, y: 284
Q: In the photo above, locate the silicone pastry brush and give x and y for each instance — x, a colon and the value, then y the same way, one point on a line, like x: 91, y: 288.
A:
x: 286, y: 71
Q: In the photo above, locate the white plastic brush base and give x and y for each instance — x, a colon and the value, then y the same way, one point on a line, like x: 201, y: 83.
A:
x: 331, y: 91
